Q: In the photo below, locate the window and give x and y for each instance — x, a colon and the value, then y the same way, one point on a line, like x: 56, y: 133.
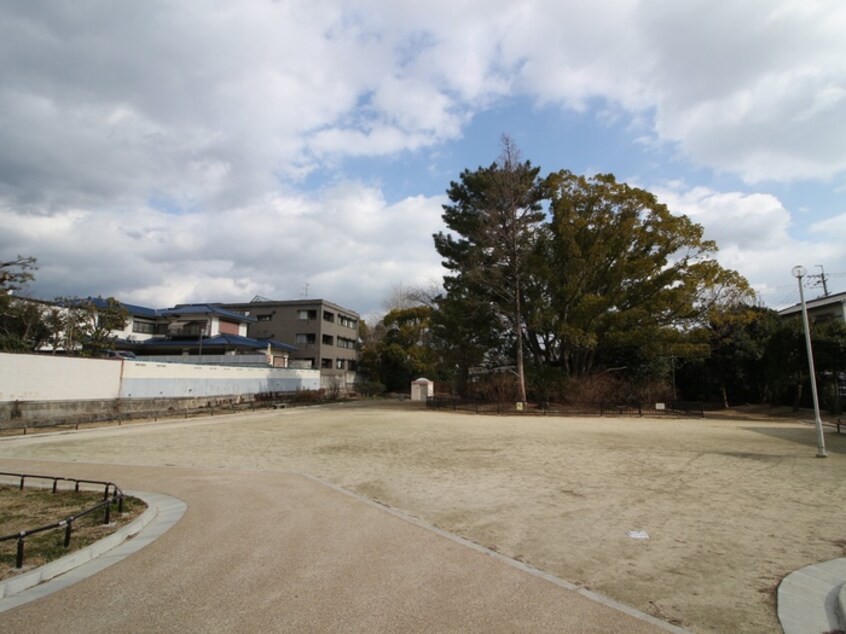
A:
x: 328, y: 340
x: 349, y: 322
x: 264, y: 317
x: 327, y: 316
x: 306, y: 337
x: 143, y: 327
x: 353, y: 365
x: 304, y: 315
x: 326, y: 363
x: 343, y: 342
x: 339, y: 364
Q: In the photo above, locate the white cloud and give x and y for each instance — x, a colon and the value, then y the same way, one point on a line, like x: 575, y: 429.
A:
x: 348, y: 244
x: 752, y: 87
x: 157, y: 148
x: 752, y: 232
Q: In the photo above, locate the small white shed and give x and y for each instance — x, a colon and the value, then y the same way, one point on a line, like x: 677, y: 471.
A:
x: 422, y: 389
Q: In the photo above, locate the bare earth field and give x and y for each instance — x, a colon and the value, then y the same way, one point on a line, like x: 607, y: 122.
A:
x: 729, y: 506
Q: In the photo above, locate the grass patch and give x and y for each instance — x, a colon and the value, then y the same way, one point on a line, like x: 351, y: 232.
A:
x: 34, y: 507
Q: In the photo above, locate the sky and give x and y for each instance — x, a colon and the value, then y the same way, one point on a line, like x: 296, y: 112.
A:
x: 207, y: 151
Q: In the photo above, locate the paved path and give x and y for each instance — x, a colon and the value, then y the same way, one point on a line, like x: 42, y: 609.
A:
x: 278, y: 552
x: 813, y: 598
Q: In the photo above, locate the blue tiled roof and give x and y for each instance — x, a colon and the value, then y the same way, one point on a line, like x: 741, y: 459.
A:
x: 101, y: 303
x: 204, y: 309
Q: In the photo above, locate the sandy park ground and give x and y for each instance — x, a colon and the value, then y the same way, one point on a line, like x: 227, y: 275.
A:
x: 729, y: 506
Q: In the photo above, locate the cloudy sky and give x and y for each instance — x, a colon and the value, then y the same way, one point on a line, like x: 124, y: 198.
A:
x: 168, y: 152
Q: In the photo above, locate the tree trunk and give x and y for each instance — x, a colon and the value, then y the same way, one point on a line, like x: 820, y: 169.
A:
x: 798, y: 400
x: 518, y: 331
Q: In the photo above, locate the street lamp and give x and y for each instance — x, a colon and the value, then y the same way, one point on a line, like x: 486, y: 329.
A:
x: 799, y: 272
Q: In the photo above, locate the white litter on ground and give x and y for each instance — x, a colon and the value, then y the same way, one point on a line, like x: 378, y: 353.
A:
x: 638, y: 534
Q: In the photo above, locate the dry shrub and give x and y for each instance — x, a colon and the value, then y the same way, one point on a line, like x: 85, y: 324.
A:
x: 307, y: 396
x: 496, y: 388
x: 609, y: 388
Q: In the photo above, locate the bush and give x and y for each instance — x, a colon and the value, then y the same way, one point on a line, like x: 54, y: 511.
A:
x: 609, y: 388
x: 307, y: 396
x: 369, y: 388
x: 495, y: 388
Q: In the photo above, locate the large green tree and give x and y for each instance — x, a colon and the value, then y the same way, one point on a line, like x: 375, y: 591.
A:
x: 466, y: 334
x: 89, y: 324
x: 493, y: 216
x: 398, y: 350
x: 615, y: 270
x: 22, y: 326
x: 739, y: 336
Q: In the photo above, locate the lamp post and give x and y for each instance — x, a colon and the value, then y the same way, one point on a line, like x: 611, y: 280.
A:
x: 799, y: 272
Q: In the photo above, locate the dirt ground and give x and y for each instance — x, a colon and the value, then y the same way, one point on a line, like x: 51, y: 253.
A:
x: 729, y: 506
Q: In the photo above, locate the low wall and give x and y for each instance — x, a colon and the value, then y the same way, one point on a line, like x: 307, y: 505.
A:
x: 35, y: 388
x: 33, y: 377
x: 143, y: 379
x: 32, y: 414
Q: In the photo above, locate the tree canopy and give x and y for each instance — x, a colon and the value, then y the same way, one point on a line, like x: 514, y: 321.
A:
x: 578, y: 274
x: 494, y: 215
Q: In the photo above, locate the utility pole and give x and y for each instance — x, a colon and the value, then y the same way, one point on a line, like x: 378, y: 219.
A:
x: 823, y: 278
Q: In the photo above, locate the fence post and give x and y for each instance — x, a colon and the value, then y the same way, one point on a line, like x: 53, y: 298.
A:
x: 19, y: 558
x: 68, y: 530
x: 108, y: 517
x: 22, y: 482
x: 55, y: 484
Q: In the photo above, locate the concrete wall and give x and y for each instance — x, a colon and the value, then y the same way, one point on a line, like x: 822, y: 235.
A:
x: 25, y: 377
x: 143, y: 379
x: 31, y: 414
x: 32, y: 377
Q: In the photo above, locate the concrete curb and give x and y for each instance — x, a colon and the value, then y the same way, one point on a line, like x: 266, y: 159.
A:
x: 813, y: 598
x: 163, y: 511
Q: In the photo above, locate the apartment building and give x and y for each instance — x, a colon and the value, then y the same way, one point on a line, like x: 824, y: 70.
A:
x: 325, y: 334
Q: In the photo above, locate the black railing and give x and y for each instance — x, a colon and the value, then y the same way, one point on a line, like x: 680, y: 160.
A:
x: 607, y: 408
x: 111, y: 495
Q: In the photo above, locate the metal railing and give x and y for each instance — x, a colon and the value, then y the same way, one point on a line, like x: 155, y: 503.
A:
x: 607, y: 408
x: 111, y: 495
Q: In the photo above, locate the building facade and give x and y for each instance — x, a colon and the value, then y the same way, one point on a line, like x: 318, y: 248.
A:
x: 325, y: 335
x: 830, y: 307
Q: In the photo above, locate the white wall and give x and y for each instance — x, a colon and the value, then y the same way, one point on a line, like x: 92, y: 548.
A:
x: 26, y: 377
x: 151, y: 379
x: 32, y: 377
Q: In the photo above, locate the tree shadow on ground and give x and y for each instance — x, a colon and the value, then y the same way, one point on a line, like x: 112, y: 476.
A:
x: 805, y: 435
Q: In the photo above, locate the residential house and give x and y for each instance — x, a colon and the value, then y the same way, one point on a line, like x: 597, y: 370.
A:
x: 193, y: 330
x: 820, y: 309
x: 325, y: 334
x: 208, y: 329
